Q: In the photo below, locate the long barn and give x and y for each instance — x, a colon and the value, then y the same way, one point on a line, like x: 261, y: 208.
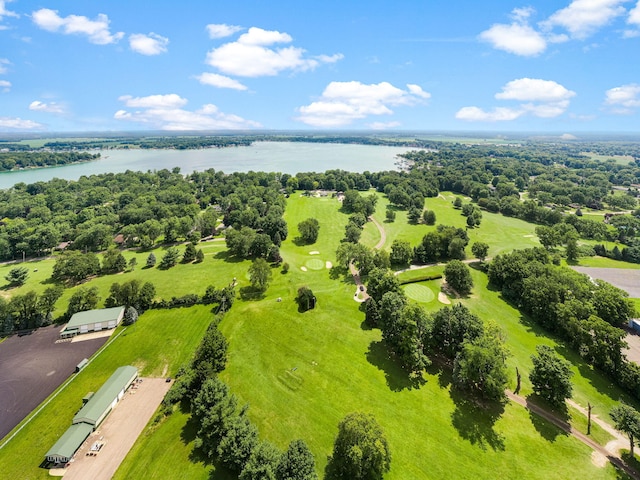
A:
x: 93, y: 321
x: 92, y: 414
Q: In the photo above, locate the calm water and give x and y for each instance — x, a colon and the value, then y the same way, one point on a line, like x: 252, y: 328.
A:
x: 284, y: 157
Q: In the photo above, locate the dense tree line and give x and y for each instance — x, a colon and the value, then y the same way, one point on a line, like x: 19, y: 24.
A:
x: 21, y: 159
x: 587, y: 314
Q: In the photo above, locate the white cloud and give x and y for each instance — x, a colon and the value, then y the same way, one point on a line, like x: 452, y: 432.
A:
x: 499, y: 114
x: 534, y: 89
x: 517, y: 37
x: 96, y: 30
x: 52, y: 107
x: 383, y: 125
x: 544, y: 99
x: 342, y: 103
x: 221, y: 30
x: 4, y: 12
x: 154, y: 101
x: 3, y: 65
x: 634, y: 15
x: 251, y: 55
x: 220, y: 81
x: 163, y: 112
x: 5, y: 85
x: 152, y: 44
x: 17, y: 123
x: 582, y: 18
x: 623, y: 100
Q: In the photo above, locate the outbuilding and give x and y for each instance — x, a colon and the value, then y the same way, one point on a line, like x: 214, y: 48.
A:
x: 93, y: 321
x: 96, y: 408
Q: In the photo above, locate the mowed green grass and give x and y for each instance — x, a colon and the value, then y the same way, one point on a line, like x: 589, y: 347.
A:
x: 502, y: 233
x: 158, y: 344
x: 301, y: 373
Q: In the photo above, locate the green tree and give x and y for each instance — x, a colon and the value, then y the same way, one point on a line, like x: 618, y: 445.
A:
x: 390, y: 214
x: 401, y: 252
x: 83, y: 299
x: 480, y: 366
x: 571, y: 250
x: 306, y: 300
x: 381, y: 281
x: 262, y: 463
x: 458, y: 277
x: 133, y: 261
x: 75, y: 266
x: 627, y: 420
x: 151, y: 260
x: 297, y: 463
x: 199, y: 256
x: 260, y: 274
x: 550, y: 376
x: 189, y: 254
x: 480, y: 250
x: 360, y: 451
x: 457, y: 203
x: 130, y: 316
x: 211, y: 356
x: 413, y: 215
x: 309, y: 230
x: 48, y: 299
x: 429, y: 217
x: 113, y: 261
x: 238, y: 443
x: 170, y: 258
x: 17, y: 276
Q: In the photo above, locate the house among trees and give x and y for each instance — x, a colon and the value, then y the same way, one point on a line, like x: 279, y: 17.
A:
x: 92, y: 321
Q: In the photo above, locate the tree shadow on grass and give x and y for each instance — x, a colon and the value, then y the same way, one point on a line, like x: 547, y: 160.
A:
x: 475, y: 421
x: 544, y: 427
x: 338, y: 272
x: 397, y: 378
x: 226, y: 256
x: 250, y: 293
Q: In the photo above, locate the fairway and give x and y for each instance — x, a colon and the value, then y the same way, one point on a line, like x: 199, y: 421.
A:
x: 419, y: 293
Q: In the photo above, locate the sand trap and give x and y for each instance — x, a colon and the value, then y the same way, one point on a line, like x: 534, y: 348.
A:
x: 303, y: 268
x: 528, y: 236
x: 442, y: 298
x: 328, y: 264
x: 315, y: 252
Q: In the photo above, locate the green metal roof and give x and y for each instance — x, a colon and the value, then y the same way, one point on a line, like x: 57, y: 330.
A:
x: 102, y: 399
x: 70, y: 441
x: 93, y: 316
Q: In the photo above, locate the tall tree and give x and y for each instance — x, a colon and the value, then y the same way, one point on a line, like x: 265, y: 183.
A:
x: 260, y: 274
x: 360, y: 451
x: 309, y: 230
x: 550, y: 376
x: 458, y: 277
x: 627, y: 420
x: 297, y: 463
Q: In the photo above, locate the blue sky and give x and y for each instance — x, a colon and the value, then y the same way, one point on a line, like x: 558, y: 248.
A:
x: 548, y: 66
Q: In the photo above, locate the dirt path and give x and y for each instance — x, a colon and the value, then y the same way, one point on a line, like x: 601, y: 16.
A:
x: 602, y: 452
x: 118, y: 432
x: 383, y: 234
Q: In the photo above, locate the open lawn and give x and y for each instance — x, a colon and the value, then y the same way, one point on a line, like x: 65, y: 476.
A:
x: 158, y: 344
x: 500, y: 232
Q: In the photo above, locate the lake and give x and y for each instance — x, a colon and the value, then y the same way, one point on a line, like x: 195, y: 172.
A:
x: 284, y: 157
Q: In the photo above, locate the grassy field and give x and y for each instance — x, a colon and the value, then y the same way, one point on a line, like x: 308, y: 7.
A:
x: 158, y: 344
x: 302, y: 373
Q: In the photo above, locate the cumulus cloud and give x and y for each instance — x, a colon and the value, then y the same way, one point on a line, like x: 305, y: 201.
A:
x: 623, y: 100
x: 164, y: 112
x: 634, y: 15
x: 220, y: 81
x: 152, y: 44
x: 222, y: 30
x: 383, y: 125
x: 583, y: 18
x: 342, y: 103
x: 17, y: 123
x: 6, y: 13
x: 96, y: 30
x: 52, y: 107
x: 3, y: 65
x: 253, y: 55
x: 543, y: 98
x: 517, y: 37
x: 5, y: 85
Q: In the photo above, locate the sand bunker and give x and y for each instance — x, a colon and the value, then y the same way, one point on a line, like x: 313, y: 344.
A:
x: 303, y: 268
x: 315, y: 252
x: 328, y: 264
x: 442, y: 298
